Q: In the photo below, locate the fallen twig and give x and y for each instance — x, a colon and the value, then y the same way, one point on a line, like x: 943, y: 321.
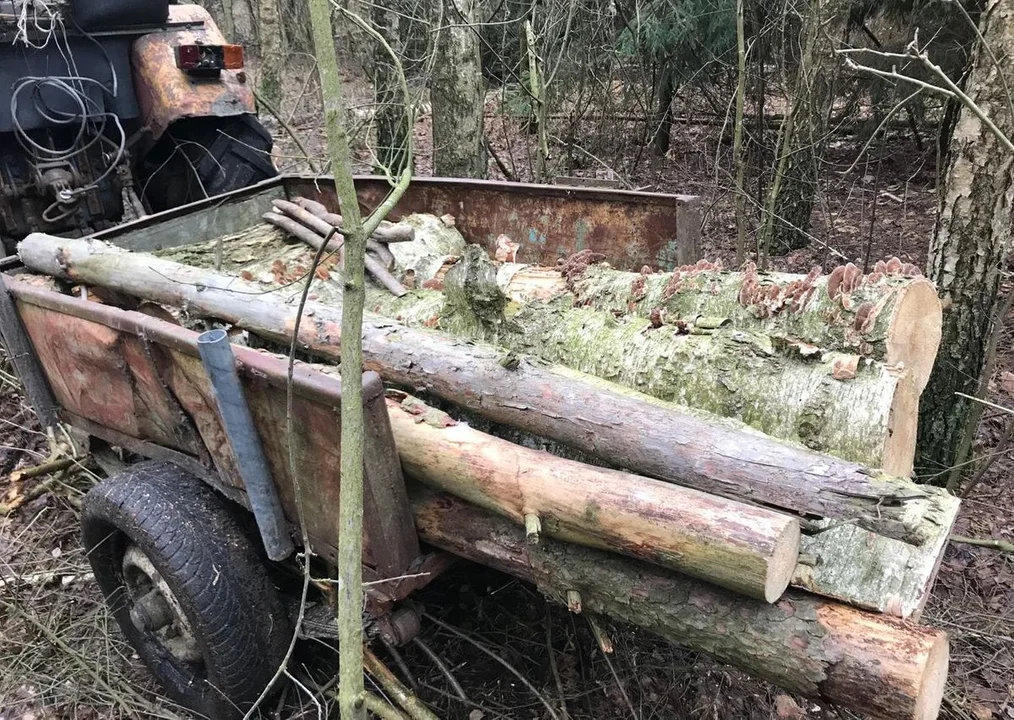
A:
x: 442, y: 667
x: 45, y: 468
x: 1001, y: 545
x: 312, y: 237
x: 40, y: 489
x: 553, y: 665
x: 386, y: 232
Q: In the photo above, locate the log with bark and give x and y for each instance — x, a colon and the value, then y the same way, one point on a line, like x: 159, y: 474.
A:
x: 745, y: 548
x: 839, y: 403
x: 855, y: 409
x: 891, y: 314
x: 876, y: 666
x: 838, y: 560
x: 622, y: 428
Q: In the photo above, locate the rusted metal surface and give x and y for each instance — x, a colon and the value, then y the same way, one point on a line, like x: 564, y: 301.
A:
x: 167, y: 94
x: 20, y: 351
x: 631, y: 229
x: 140, y: 377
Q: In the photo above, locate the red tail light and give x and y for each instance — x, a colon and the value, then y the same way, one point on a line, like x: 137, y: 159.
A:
x: 209, y: 58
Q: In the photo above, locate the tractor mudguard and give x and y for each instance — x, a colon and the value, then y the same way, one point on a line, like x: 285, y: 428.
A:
x: 167, y: 94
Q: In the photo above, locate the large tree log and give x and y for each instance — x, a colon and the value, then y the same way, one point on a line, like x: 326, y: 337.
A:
x: 857, y: 410
x: 871, y: 664
x: 884, y: 315
x: 745, y: 548
x: 838, y: 560
x: 831, y: 402
x: 623, y: 428
x: 891, y: 314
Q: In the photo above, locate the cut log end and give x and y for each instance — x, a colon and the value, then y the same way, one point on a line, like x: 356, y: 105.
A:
x: 934, y: 678
x: 904, y: 665
x: 915, y: 329
x: 782, y: 563
x: 902, y: 425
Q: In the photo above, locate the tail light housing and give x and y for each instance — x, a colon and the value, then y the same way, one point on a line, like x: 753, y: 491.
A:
x: 208, y: 59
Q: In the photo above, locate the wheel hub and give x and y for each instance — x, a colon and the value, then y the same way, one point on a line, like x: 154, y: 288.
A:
x: 156, y: 610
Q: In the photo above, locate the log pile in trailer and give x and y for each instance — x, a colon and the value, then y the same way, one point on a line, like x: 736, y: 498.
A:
x: 676, y: 449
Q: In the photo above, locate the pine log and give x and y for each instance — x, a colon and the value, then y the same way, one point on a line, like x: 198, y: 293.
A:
x: 876, y: 666
x: 620, y: 427
x: 857, y: 410
x: 741, y: 547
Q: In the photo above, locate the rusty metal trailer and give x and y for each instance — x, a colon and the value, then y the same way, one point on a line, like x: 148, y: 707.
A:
x: 178, y: 562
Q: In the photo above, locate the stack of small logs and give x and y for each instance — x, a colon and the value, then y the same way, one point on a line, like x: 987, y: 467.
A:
x: 716, y: 436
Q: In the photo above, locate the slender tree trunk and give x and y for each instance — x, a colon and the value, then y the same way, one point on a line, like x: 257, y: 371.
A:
x: 350, y: 509
x: 662, y: 126
x: 270, y: 24
x: 537, y: 88
x: 794, y: 187
x: 968, y: 251
x: 457, y: 95
x: 738, y: 160
x: 393, y: 132
x: 242, y: 21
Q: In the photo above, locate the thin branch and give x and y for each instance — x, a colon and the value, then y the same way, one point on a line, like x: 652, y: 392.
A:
x: 288, y: 128
x: 1001, y: 545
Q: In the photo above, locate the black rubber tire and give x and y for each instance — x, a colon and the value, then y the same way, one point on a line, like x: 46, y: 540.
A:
x: 205, y: 156
x: 186, y: 531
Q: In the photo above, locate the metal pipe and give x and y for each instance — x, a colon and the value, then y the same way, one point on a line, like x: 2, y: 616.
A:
x: 220, y: 364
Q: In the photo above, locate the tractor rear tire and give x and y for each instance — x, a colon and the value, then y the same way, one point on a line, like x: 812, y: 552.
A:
x: 186, y: 587
x: 205, y: 156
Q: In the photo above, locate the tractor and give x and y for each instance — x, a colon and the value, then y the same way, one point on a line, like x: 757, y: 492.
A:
x: 113, y: 109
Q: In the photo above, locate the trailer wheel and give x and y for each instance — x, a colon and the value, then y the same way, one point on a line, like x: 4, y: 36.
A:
x: 204, y: 156
x: 186, y: 587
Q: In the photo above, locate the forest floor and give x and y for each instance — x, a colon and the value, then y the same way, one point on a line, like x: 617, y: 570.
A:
x: 61, y: 656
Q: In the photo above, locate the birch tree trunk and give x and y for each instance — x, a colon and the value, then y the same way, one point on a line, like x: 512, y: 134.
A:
x: 456, y: 91
x: 865, y: 415
x: 968, y: 251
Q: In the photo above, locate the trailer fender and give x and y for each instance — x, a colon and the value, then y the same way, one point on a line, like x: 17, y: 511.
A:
x: 167, y: 94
